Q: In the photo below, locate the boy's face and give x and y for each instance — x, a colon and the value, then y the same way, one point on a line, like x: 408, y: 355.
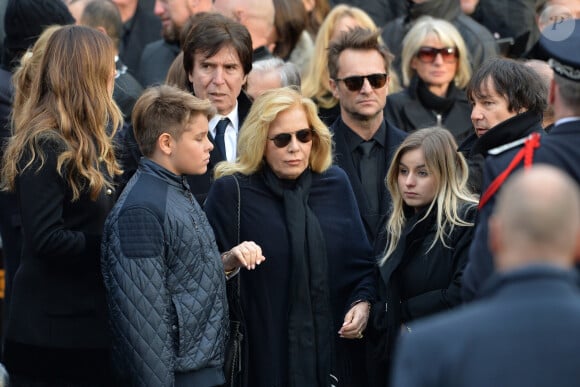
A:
x: 190, y: 152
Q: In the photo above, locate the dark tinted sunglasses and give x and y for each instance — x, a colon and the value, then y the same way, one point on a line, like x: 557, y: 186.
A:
x: 283, y: 139
x: 428, y: 54
x: 355, y: 83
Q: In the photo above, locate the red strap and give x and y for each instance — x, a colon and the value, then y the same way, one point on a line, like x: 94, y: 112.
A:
x: 526, y: 153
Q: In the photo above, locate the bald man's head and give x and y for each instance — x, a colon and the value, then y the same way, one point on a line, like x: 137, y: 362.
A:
x: 536, y: 219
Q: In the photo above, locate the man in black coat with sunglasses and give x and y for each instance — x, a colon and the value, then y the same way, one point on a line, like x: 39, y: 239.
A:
x: 364, y: 142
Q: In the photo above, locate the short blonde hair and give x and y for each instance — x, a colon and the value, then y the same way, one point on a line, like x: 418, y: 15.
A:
x: 254, y: 133
x: 448, y: 35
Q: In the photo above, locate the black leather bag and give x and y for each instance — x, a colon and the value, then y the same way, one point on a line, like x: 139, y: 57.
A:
x: 235, y: 349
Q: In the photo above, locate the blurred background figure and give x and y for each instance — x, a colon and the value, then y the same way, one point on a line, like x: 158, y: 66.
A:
x: 290, y: 39
x: 316, y: 11
x: 61, y: 163
x: 436, y: 71
x: 531, y: 306
x: 547, y: 74
x: 425, y: 241
x: 140, y: 27
x: 381, y: 11
x: 479, y: 41
x: 157, y: 56
x: 269, y: 74
x: 257, y: 16
x: 104, y: 16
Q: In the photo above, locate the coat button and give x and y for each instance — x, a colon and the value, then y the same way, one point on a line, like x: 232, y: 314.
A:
x: 109, y: 191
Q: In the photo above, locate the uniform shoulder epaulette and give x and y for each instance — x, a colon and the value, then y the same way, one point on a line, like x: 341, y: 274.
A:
x: 505, y: 147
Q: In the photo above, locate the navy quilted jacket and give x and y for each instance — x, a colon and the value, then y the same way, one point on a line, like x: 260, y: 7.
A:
x: 165, y: 281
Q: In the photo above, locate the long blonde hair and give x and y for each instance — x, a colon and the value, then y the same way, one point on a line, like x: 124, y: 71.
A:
x: 70, y: 104
x: 450, y: 170
x: 254, y: 133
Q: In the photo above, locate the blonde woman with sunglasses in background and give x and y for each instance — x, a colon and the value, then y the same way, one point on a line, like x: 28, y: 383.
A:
x: 306, y: 305
x: 436, y: 70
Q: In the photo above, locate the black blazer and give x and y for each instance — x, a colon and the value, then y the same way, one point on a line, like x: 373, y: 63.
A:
x: 200, y: 184
x: 344, y: 160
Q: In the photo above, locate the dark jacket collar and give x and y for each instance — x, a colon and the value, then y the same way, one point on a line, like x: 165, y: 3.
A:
x: 529, y: 276
x: 507, y: 131
x: 151, y: 167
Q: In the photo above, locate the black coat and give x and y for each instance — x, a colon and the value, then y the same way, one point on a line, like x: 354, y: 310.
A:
x: 524, y: 333
x: 127, y: 90
x: 416, y: 281
x: 479, y: 41
x: 343, y: 159
x: 406, y: 111
x: 155, y: 61
x: 265, y: 291
x: 476, y: 149
x: 143, y: 28
x: 58, y: 317
x: 560, y: 148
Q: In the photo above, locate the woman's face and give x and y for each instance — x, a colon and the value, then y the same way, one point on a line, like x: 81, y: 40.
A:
x: 438, y: 72
x: 289, y: 161
x: 416, y: 183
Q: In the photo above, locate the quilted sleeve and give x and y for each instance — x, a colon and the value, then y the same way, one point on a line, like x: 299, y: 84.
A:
x: 135, y: 272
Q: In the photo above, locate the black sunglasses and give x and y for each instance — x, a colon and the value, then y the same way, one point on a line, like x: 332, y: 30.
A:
x: 356, y: 83
x: 428, y: 54
x: 283, y: 139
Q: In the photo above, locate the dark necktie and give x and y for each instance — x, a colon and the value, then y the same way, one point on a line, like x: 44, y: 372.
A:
x: 220, y: 131
x: 368, y: 172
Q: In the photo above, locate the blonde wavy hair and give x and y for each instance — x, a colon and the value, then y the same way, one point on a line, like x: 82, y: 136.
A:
x: 253, y: 135
x: 69, y: 103
x: 315, y: 81
x: 450, y: 170
x: 448, y: 35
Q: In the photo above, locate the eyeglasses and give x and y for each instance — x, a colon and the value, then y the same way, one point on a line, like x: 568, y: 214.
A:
x: 283, y: 139
x: 356, y: 83
x: 428, y: 54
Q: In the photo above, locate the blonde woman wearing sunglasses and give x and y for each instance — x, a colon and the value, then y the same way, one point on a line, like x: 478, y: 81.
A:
x: 436, y: 70
x: 306, y: 305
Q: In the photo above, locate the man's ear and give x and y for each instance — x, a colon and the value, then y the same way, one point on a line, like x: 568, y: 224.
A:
x: 165, y: 143
x: 333, y: 87
x: 552, y: 92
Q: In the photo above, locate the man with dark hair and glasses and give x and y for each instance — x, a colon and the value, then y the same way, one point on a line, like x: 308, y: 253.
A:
x: 358, y: 66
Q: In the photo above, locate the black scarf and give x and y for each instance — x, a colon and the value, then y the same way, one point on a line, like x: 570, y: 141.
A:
x: 440, y: 105
x: 309, y: 313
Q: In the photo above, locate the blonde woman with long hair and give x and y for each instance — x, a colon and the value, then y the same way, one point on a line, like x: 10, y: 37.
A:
x: 306, y: 306
x: 61, y: 163
x: 426, y: 239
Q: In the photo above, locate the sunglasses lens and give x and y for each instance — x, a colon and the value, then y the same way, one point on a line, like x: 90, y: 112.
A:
x: 354, y: 83
x: 304, y: 135
x: 377, y: 80
x: 449, y: 54
x: 282, y: 139
x: 427, y: 54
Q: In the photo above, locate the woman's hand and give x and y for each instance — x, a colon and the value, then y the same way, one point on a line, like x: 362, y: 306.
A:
x: 246, y: 254
x: 355, y: 321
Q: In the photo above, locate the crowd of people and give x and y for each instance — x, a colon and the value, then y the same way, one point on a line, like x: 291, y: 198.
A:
x: 275, y: 193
